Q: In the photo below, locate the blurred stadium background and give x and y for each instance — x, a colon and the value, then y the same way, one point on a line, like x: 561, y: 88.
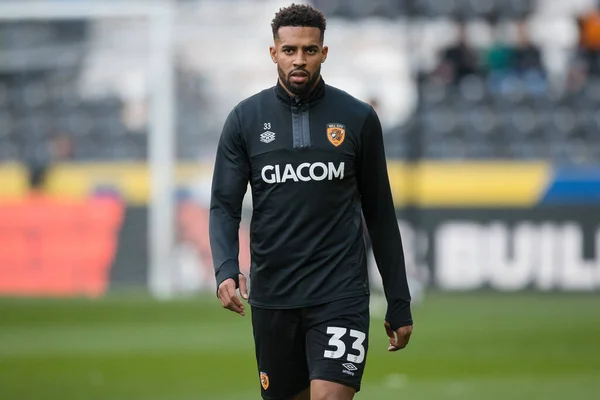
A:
x: 110, y: 112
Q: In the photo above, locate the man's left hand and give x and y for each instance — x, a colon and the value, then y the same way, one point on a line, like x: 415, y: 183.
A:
x: 398, y: 339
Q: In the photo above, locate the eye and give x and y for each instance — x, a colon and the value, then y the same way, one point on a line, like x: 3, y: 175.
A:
x: 288, y: 51
x: 312, y: 51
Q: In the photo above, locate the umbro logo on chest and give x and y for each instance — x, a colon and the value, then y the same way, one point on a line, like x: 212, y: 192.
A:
x: 267, y: 136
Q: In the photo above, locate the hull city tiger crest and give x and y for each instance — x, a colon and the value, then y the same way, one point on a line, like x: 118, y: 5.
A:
x: 264, y: 380
x: 336, y: 133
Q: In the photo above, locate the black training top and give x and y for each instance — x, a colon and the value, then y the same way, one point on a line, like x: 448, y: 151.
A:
x: 313, y: 165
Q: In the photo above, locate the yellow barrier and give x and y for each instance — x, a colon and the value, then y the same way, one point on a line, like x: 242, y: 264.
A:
x: 430, y: 184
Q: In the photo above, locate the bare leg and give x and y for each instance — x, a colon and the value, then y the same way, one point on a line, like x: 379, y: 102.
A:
x: 303, y: 395
x: 325, y: 390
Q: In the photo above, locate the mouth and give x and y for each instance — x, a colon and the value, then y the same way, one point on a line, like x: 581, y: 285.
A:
x: 298, y: 76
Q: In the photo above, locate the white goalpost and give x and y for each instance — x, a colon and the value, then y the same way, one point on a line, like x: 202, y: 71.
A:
x: 161, y: 131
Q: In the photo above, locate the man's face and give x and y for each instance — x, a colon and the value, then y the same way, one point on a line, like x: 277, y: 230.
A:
x: 298, y: 53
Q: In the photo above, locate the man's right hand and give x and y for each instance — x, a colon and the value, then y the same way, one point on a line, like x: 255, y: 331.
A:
x: 228, y: 295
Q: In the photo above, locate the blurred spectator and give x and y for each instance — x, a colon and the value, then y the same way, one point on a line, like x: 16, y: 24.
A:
x: 589, y: 40
x: 59, y: 148
x: 586, y: 60
x: 459, y: 60
x: 527, y: 61
x: 514, y: 65
x: 499, y: 57
x: 37, y: 174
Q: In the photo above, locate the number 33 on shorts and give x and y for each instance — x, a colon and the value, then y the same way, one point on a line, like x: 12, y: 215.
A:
x: 354, y: 355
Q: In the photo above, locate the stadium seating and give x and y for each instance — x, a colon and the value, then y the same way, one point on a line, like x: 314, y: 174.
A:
x: 425, y: 8
x: 468, y: 121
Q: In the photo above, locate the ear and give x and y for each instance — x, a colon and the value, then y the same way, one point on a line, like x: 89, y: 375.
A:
x: 273, y: 53
x: 324, y: 53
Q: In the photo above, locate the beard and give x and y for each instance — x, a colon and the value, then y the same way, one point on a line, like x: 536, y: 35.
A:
x: 299, y: 89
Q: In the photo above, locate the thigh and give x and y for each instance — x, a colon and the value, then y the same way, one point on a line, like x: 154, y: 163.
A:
x: 337, y: 341
x: 280, y: 352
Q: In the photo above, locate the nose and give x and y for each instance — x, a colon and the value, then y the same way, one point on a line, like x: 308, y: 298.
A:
x: 300, y: 60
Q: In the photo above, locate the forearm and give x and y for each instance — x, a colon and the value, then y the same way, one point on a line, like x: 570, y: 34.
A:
x: 389, y: 256
x: 230, y: 180
x: 380, y: 217
x: 224, y: 242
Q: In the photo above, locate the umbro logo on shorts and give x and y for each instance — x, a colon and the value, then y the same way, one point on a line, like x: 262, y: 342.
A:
x: 349, y: 366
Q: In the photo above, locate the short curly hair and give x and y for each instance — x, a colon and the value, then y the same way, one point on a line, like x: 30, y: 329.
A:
x: 299, y: 15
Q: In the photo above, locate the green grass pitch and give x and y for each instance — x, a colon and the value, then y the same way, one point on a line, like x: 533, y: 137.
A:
x: 464, y: 346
